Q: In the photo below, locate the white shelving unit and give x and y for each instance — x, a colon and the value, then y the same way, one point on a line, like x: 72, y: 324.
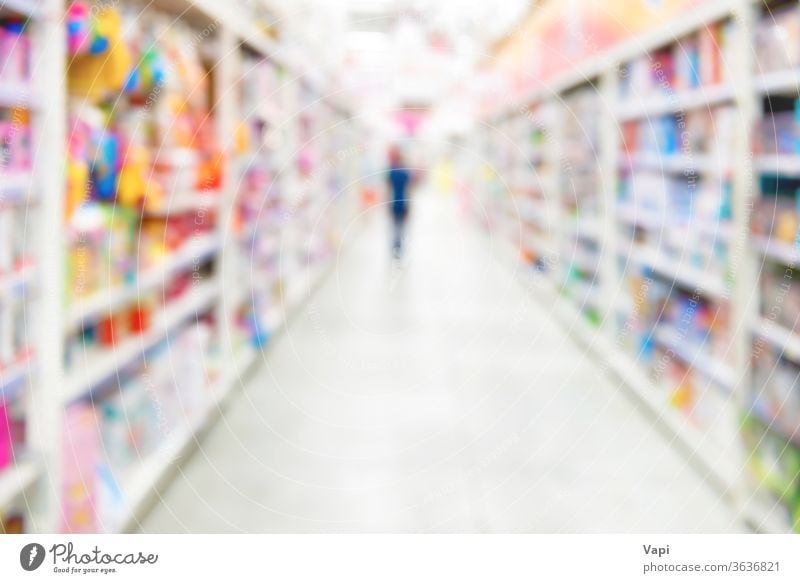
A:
x: 23, y: 484
x: 61, y: 375
x: 634, y: 263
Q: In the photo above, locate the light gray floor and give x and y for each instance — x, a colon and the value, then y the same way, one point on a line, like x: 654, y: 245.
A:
x: 436, y: 398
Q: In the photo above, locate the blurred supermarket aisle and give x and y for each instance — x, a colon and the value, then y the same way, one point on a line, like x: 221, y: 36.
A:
x: 434, y: 398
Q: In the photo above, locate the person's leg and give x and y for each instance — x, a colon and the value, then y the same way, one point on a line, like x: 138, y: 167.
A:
x: 397, y: 240
x: 401, y: 231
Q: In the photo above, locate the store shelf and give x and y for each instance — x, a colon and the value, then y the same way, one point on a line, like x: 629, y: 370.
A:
x: 584, y: 228
x: 140, y: 483
x: 66, y: 371
x: 782, y: 338
x: 15, y: 187
x: 651, y: 221
x: 682, y: 101
x: 15, y: 282
x: 210, y: 12
x: 271, y: 114
x: 688, y: 163
x: 679, y: 271
x: 18, y: 95
x: 782, y: 164
x: 775, y: 423
x: 15, y: 479
x: 539, y: 243
x: 29, y: 8
x: 765, y: 516
x: 787, y: 81
x: 582, y: 259
x: 631, y: 215
x: 12, y: 377
x: 582, y: 293
x: 696, y: 356
x: 697, y: 269
x: 185, y: 203
x: 784, y: 253
x: 702, y: 452
x: 99, y: 366
x: 104, y: 302
x: 532, y: 212
x: 235, y: 296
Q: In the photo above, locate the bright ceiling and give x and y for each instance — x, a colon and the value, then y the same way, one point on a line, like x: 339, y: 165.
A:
x: 389, y: 53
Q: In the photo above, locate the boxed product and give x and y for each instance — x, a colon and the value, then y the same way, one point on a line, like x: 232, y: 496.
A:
x: 81, y: 450
x: 775, y: 465
x: 775, y: 386
x: 15, y: 52
x: 778, y: 40
x: 101, y: 248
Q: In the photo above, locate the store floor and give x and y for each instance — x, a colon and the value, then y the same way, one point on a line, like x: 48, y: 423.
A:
x: 439, y: 397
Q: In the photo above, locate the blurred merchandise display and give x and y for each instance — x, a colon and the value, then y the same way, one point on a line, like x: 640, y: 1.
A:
x: 142, y: 345
x: 657, y: 171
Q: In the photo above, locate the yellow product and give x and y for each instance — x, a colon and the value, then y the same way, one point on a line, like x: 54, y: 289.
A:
x: 786, y: 227
x: 242, y: 139
x: 152, y: 243
x: 134, y: 189
x: 682, y: 396
x: 179, y: 130
x: 77, y: 184
x: 95, y: 77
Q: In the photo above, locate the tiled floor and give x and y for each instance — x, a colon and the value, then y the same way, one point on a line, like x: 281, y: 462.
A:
x: 439, y: 397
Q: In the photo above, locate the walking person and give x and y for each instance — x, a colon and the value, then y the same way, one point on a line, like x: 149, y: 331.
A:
x: 399, y: 178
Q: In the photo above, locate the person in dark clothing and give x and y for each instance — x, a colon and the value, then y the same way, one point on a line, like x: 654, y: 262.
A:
x: 399, y: 178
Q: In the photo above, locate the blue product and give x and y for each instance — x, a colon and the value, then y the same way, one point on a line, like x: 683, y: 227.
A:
x: 796, y: 128
x: 725, y: 210
x: 694, y: 68
x: 668, y: 132
x: 104, y: 167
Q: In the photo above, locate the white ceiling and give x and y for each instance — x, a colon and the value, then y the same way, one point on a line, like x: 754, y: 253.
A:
x: 394, y: 52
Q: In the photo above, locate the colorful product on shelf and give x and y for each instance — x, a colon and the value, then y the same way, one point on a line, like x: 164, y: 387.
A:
x: 102, y: 61
x: 6, y: 450
x: 12, y: 523
x: 159, y: 238
x: 775, y: 217
x: 581, y: 192
x: 685, y: 391
x: 772, y: 401
x: 775, y: 466
x: 12, y: 431
x: 776, y: 398
x: 102, y: 249
x: 15, y: 53
x: 780, y: 295
x: 16, y: 234
x: 15, y: 141
x: 778, y: 130
x: 777, y: 40
x: 81, y: 448
x: 697, y: 60
x: 133, y: 417
x: 15, y: 323
x: 701, y: 140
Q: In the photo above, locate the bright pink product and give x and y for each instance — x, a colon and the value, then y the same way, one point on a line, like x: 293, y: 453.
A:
x: 78, y: 28
x: 16, y: 135
x: 81, y: 450
x: 15, y: 53
x: 6, y: 452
